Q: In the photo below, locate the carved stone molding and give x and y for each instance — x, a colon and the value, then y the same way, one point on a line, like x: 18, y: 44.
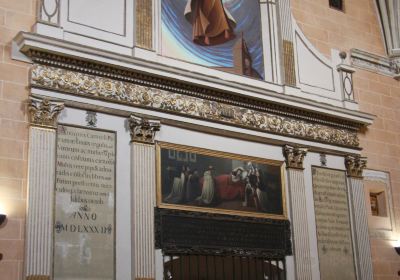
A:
x: 294, y: 156
x: 163, y: 100
x: 44, y: 113
x: 38, y: 277
x: 143, y: 130
x: 388, y: 66
x: 355, y: 165
x: 188, y: 89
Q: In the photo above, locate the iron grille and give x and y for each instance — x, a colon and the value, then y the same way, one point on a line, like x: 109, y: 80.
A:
x: 202, y: 267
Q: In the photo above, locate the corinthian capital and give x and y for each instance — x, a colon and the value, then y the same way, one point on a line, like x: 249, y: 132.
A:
x: 143, y: 130
x: 294, y: 156
x: 44, y: 113
x: 355, y: 165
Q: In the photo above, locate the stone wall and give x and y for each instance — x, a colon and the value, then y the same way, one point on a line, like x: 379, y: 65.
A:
x: 15, y: 16
x: 358, y: 27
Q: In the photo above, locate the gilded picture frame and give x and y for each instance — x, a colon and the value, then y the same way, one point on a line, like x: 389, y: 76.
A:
x: 219, y: 182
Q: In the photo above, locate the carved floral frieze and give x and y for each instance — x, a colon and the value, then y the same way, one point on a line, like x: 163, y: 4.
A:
x: 152, y: 98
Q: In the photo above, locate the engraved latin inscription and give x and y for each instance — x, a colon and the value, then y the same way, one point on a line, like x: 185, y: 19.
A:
x: 84, y: 211
x: 333, y: 225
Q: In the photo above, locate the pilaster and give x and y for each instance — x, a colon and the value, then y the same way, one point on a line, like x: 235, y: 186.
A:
x: 144, y: 195
x: 144, y: 24
x: 286, y: 27
x: 301, y: 246
x: 41, y: 176
x: 354, y: 166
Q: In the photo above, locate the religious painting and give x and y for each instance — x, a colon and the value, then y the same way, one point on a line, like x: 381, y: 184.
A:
x: 211, y: 181
x: 222, y: 34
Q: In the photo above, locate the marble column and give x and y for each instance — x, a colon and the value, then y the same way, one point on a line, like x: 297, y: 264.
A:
x: 362, y: 249
x: 41, y: 182
x: 294, y: 157
x: 143, y: 195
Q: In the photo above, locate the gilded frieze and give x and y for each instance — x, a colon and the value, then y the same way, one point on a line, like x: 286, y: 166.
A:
x: 158, y: 99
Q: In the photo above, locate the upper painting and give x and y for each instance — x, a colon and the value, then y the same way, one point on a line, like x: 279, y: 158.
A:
x: 220, y: 34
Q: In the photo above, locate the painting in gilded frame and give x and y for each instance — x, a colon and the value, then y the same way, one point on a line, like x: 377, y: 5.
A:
x: 223, y: 34
x: 203, y: 180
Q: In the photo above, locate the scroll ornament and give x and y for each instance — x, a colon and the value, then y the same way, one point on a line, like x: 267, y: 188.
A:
x: 294, y: 156
x: 143, y: 130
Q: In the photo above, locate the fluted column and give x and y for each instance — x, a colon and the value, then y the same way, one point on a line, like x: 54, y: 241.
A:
x: 41, y: 176
x: 301, y: 247
x: 355, y: 166
x: 144, y: 195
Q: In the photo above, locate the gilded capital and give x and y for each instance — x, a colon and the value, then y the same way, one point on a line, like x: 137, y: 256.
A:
x: 143, y: 130
x: 355, y: 165
x: 44, y: 113
x: 294, y: 156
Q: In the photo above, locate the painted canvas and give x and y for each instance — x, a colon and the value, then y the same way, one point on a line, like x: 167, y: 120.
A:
x: 204, y: 180
x: 220, y: 34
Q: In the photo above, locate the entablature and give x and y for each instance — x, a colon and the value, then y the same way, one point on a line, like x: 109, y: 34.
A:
x: 94, y: 79
x: 147, y: 36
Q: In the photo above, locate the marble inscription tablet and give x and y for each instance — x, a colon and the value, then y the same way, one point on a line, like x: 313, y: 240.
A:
x: 84, y: 204
x: 335, y: 250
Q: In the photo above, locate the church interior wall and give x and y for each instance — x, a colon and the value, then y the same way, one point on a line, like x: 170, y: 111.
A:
x: 358, y: 27
x: 325, y: 28
x: 14, y: 17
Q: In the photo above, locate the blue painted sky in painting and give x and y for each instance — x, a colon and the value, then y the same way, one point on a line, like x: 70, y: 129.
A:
x: 177, y: 34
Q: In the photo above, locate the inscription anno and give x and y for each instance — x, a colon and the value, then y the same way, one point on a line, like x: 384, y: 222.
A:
x: 333, y: 224
x: 84, y: 215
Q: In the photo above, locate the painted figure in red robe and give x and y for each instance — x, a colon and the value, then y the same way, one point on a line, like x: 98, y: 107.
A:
x: 212, y: 23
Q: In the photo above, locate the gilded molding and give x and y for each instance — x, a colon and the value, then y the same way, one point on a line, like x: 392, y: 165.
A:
x: 143, y: 130
x: 38, y: 277
x: 144, y: 24
x: 288, y: 60
x: 162, y: 100
x: 213, y: 94
x: 294, y: 156
x: 355, y: 165
x: 44, y: 113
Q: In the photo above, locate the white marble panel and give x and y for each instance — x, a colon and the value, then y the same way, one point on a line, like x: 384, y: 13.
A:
x: 106, y: 15
x: 312, y: 70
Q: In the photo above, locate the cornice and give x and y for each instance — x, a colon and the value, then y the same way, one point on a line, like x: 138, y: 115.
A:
x: 263, y: 97
x: 116, y: 91
x: 188, y: 89
x: 388, y: 66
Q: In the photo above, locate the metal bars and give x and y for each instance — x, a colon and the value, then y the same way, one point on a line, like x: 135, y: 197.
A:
x: 209, y: 267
